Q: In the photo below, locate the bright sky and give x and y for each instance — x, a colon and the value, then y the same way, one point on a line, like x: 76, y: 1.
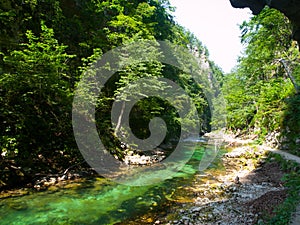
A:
x: 216, y: 24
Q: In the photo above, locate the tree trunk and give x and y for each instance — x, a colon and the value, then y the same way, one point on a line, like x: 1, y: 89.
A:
x: 289, y: 74
x: 120, y: 119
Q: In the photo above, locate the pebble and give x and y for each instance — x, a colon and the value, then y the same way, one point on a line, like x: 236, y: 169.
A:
x: 185, y: 218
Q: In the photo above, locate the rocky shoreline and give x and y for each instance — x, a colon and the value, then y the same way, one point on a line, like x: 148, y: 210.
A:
x: 51, y: 182
x: 238, y: 197
x: 249, y: 188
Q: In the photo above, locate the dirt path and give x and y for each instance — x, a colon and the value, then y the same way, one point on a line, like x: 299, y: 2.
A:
x: 286, y: 155
x: 235, y: 141
x: 296, y: 217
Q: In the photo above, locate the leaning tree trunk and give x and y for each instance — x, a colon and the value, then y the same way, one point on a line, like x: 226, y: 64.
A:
x: 289, y: 74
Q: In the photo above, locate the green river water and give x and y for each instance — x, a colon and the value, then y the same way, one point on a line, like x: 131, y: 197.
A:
x: 98, y: 201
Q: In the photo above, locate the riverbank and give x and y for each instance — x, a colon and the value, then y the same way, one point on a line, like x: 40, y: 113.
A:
x: 71, y: 176
x: 242, y: 186
x: 248, y: 190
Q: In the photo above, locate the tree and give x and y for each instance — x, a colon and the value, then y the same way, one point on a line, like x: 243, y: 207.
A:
x: 39, y: 73
x: 264, y: 78
x: 36, y: 98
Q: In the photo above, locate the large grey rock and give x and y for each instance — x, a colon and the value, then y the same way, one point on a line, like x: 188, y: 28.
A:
x: 291, y: 8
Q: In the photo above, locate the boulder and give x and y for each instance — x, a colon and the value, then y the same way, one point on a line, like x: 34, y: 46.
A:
x: 290, y: 8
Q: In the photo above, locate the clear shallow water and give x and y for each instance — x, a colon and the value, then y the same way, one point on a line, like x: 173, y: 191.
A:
x: 97, y: 201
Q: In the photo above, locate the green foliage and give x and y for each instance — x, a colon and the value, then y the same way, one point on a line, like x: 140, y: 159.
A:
x: 35, y: 96
x: 271, y: 104
x: 124, y: 83
x: 257, y: 90
x: 291, y: 125
x: 240, y: 107
x: 38, y: 74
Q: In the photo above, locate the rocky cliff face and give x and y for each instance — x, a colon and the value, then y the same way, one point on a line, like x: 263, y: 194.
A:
x: 291, y: 8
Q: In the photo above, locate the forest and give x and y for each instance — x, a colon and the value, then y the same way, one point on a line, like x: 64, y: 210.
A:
x: 47, y: 46
x: 263, y: 90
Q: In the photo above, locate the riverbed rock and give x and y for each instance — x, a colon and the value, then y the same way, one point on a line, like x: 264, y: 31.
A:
x: 132, y: 158
x: 18, y: 206
x: 14, y: 193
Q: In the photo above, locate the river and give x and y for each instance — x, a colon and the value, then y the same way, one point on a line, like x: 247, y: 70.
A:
x: 101, y: 201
